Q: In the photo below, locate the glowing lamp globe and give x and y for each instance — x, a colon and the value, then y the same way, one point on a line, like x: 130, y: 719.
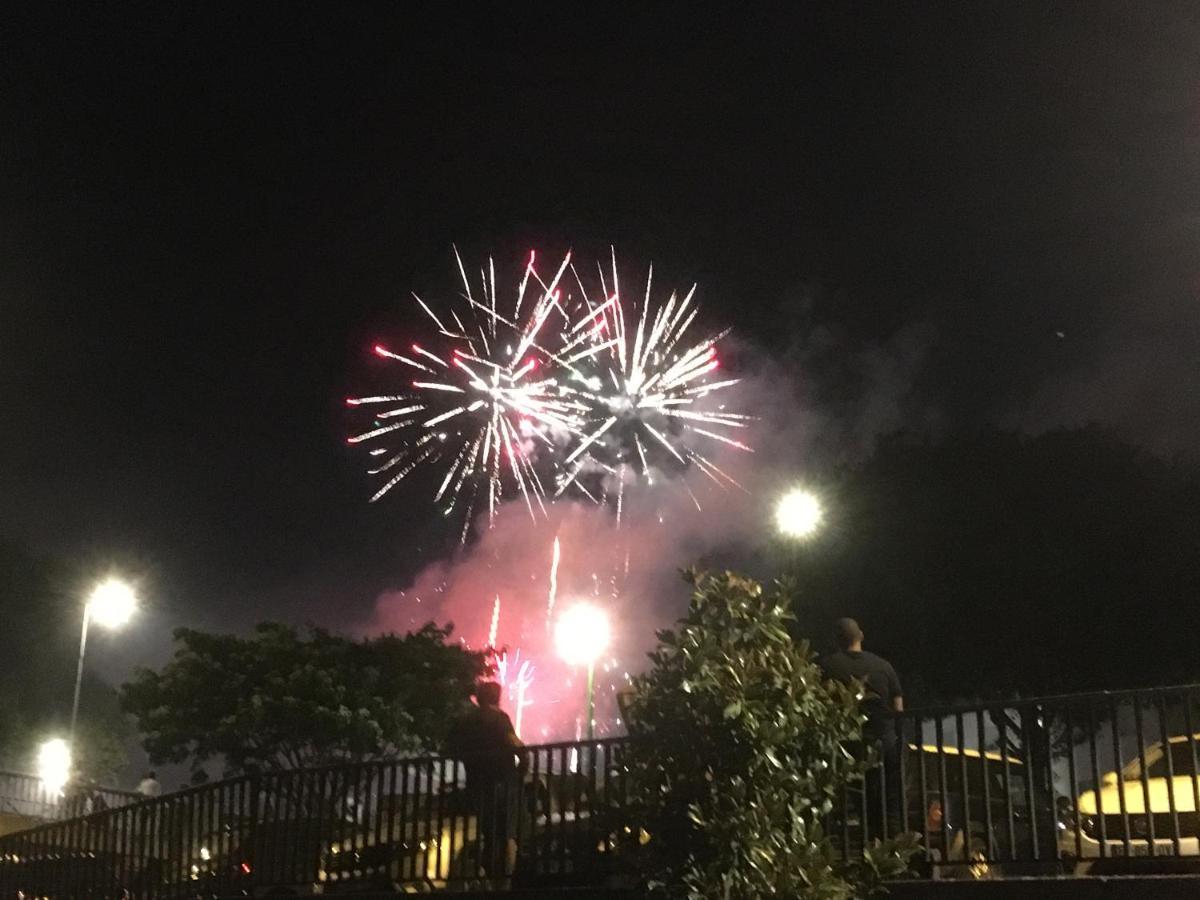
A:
x: 54, y: 765
x: 112, y: 603
x: 581, y: 635
x: 798, y: 514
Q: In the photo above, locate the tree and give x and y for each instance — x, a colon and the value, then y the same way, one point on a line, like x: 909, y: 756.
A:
x: 739, y: 750
x: 1077, y: 548
x: 279, y: 700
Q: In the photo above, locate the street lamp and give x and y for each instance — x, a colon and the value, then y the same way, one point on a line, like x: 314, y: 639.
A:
x: 798, y: 514
x: 110, y: 604
x: 54, y: 765
x: 581, y: 635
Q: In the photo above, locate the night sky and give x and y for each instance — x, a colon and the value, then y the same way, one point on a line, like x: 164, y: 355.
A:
x: 207, y: 216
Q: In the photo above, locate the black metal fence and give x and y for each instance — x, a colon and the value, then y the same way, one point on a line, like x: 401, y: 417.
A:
x: 27, y: 796
x: 410, y: 823
x: 1073, y: 784
x: 1062, y: 784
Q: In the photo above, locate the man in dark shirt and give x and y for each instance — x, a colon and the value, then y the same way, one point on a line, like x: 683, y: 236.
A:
x: 881, y: 687
x: 485, y: 740
x: 882, y: 696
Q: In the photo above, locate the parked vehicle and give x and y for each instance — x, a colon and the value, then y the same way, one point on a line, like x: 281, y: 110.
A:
x: 1131, y: 814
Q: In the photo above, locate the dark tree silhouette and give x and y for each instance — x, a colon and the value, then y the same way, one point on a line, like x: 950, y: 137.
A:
x: 280, y: 699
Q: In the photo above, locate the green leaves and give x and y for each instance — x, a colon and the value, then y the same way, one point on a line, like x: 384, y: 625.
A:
x: 282, y: 700
x: 735, y: 735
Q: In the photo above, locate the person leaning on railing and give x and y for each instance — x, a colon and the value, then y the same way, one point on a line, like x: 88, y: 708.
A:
x: 485, y: 740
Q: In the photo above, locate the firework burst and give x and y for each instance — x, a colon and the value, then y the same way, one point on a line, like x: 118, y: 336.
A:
x: 481, y: 401
x: 507, y: 399
x: 650, y: 392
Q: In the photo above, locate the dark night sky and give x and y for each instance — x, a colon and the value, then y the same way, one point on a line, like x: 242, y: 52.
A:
x: 206, y: 217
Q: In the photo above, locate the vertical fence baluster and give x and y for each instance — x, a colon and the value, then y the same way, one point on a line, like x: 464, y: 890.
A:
x: 883, y: 785
x: 1195, y: 767
x: 964, y: 774
x: 407, y: 864
x: 129, y: 847
x: 298, y: 860
x: 1120, y: 786
x: 1147, y: 806
x: 1006, y: 771
x: 453, y: 840
x: 902, y: 774
x: 521, y: 813
x: 1097, y: 784
x: 1072, y: 775
x: 534, y: 860
x: 989, y: 834
x: 388, y: 772
x: 564, y: 772
x: 922, y: 784
x: 864, y: 803
x: 1028, y: 713
x: 943, y: 796
x: 377, y: 796
x: 440, y: 800
x: 1168, y: 752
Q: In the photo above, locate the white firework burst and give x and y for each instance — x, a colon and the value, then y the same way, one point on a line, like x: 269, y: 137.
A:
x: 482, y: 402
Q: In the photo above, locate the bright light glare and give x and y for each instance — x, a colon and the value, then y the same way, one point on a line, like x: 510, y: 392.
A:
x: 798, y: 513
x: 581, y: 634
x: 112, y: 603
x: 54, y: 765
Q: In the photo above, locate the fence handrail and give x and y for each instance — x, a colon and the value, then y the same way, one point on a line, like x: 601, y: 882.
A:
x: 942, y: 710
x: 26, y: 776
x: 248, y: 778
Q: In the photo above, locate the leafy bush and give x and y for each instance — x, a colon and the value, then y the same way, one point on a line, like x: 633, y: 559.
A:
x: 740, y: 749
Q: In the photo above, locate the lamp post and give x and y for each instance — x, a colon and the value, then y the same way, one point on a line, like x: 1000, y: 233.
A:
x: 581, y: 635
x: 111, y: 604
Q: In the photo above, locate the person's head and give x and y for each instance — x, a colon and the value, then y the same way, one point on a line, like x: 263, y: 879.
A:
x: 150, y: 775
x: 488, y: 693
x: 847, y: 635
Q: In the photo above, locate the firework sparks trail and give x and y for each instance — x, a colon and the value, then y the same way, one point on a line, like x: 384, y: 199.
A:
x: 555, y: 555
x: 516, y: 675
x: 647, y: 390
x: 485, y: 394
x: 491, y: 642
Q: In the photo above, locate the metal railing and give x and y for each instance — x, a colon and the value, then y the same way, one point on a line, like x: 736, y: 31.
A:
x: 26, y: 795
x: 387, y: 824
x: 1059, y: 783
x: 1053, y: 784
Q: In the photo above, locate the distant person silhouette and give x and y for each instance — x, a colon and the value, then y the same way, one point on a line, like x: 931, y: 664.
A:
x: 485, y: 740
x: 149, y: 786
x: 882, y: 696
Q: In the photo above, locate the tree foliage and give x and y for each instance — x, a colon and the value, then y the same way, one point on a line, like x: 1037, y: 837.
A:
x: 1079, y: 549
x: 281, y: 700
x: 740, y: 750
